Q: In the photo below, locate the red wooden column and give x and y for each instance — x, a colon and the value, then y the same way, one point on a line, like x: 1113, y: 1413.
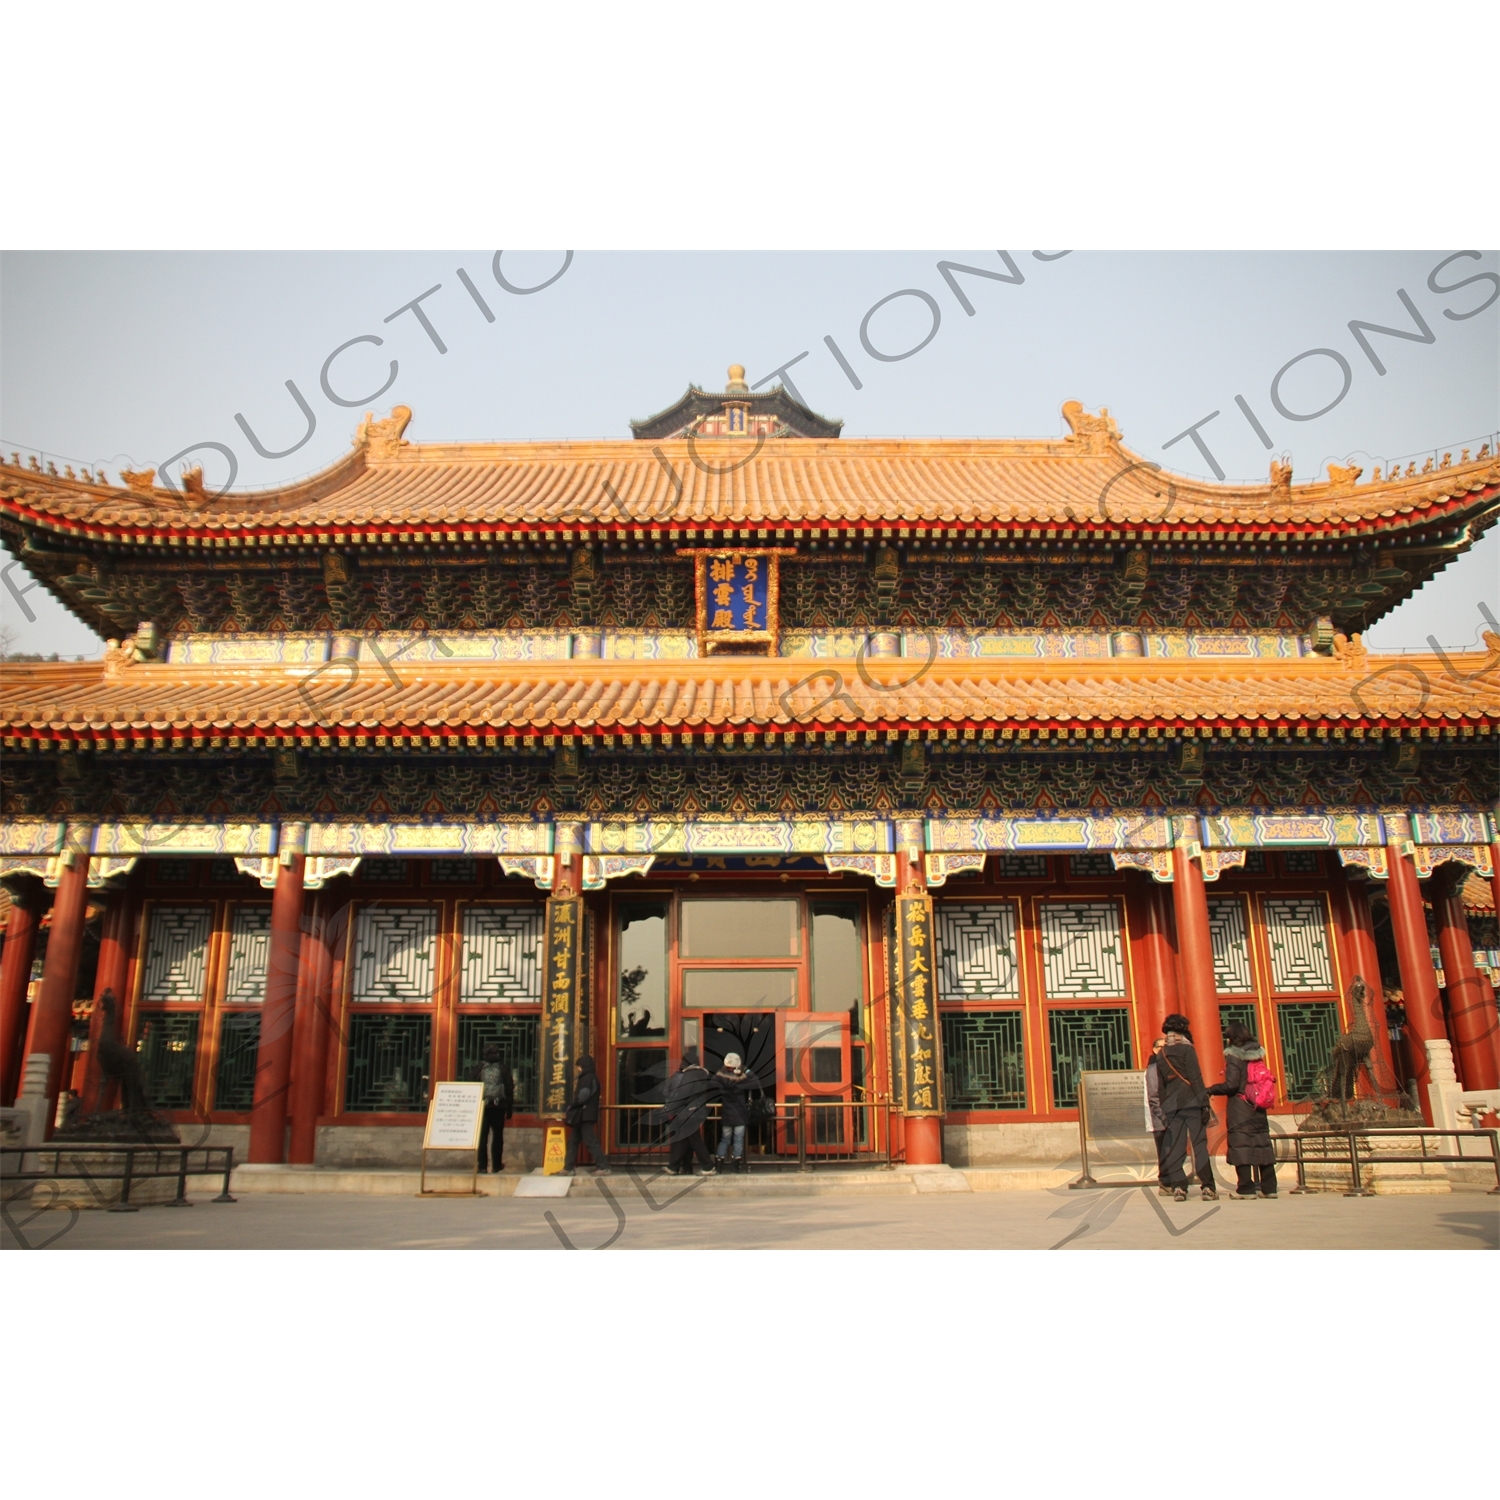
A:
x: 1495, y: 869
x: 310, y: 1037
x: 1351, y: 909
x: 1198, y: 995
x: 1424, y: 1006
x: 273, y: 1059
x: 1473, y: 1028
x: 28, y: 900
x: 1156, y: 993
x: 916, y: 996
x: 114, y: 963
x: 52, y: 1015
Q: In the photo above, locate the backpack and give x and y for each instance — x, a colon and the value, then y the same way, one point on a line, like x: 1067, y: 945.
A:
x: 492, y: 1075
x: 1260, y: 1085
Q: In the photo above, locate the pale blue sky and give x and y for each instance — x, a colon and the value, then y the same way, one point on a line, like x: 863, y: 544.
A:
x: 126, y: 358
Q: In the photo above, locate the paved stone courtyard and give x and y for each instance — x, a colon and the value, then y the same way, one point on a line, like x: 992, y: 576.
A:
x: 659, y: 1213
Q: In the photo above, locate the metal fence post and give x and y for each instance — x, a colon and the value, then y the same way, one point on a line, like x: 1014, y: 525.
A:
x: 125, y: 1206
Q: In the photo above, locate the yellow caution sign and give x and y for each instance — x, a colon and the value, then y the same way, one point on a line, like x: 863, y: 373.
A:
x: 555, y: 1153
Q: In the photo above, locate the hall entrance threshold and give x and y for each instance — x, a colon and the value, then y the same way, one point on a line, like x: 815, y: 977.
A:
x: 806, y: 1109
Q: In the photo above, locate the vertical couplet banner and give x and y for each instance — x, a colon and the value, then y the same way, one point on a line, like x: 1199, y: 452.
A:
x: 564, y: 917
x: 917, y: 997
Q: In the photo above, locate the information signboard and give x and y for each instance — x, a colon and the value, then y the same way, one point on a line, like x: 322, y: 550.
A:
x: 454, y: 1119
x: 1114, y: 1126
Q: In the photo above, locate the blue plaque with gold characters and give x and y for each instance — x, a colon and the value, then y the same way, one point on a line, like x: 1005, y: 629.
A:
x: 737, y: 597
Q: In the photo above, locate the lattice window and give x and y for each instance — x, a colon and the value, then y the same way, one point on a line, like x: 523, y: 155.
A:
x: 1255, y: 862
x: 1090, y: 866
x: 249, y: 943
x: 383, y: 871
x: 1300, y: 862
x: 1307, y: 1036
x: 239, y: 1043
x: 984, y: 1064
x: 1081, y: 951
x: 978, y: 946
x: 177, y: 955
x: 394, y: 952
x: 1231, y: 943
x: 1298, y: 936
x: 454, y: 871
x: 502, y: 955
x: 223, y: 872
x: 1021, y: 866
x: 1085, y: 1041
x: 172, y: 871
x: 1244, y: 1014
x: 518, y: 1037
x: 167, y: 1045
x: 388, y: 1064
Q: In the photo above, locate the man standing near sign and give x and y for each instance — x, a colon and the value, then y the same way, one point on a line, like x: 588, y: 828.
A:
x: 1185, y: 1107
x: 582, y: 1116
x: 499, y: 1103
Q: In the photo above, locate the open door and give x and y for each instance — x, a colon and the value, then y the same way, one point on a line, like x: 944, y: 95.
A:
x: 813, y: 1058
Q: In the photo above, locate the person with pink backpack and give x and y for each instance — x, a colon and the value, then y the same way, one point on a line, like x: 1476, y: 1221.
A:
x: 1252, y: 1090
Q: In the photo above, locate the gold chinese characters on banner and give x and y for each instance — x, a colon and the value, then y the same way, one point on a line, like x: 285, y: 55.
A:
x: 917, y: 999
x: 564, y: 916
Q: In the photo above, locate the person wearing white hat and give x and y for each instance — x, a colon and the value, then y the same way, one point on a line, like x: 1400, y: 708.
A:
x: 734, y: 1085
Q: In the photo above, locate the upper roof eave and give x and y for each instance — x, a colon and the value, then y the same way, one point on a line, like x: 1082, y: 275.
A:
x: 1087, y: 480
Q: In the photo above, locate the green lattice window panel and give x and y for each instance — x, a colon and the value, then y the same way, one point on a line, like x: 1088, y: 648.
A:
x: 389, y: 1064
x: 984, y: 1063
x: 1244, y: 1014
x: 1086, y: 1040
x: 167, y: 1045
x: 518, y: 1037
x: 1307, y: 1036
x: 239, y: 1042
x: 379, y: 871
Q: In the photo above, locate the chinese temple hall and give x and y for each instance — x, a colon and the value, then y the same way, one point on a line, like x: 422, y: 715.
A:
x: 922, y: 773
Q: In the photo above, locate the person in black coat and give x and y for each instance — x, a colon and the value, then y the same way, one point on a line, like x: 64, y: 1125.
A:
x: 499, y: 1103
x: 1251, y: 1153
x: 1185, y: 1108
x: 582, y: 1116
x: 685, y: 1103
x: 734, y: 1083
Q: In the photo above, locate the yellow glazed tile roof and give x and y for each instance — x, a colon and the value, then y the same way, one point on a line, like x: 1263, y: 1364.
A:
x: 444, y: 703
x: 388, y: 489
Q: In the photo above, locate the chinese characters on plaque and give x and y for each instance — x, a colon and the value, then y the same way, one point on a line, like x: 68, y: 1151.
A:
x: 737, y: 596
x: 918, y: 1005
x: 559, y: 1001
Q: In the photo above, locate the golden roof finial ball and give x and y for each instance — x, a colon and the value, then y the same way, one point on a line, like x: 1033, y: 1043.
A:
x: 737, y: 379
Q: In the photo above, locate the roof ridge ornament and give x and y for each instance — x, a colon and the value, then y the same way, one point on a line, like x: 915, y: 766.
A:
x: 1343, y: 479
x: 140, y: 480
x: 1096, y: 435
x: 381, y: 439
x: 1281, y: 479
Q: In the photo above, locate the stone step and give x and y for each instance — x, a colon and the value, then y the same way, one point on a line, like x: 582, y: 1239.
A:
x: 900, y: 1181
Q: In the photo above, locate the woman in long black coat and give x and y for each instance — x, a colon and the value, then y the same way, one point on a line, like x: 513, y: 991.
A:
x: 1251, y: 1153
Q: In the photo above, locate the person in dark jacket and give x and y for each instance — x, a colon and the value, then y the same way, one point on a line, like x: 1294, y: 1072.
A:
x: 685, y: 1103
x: 582, y: 1116
x: 734, y: 1084
x: 1251, y: 1153
x: 1185, y: 1108
x: 1158, y: 1120
x: 499, y: 1104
